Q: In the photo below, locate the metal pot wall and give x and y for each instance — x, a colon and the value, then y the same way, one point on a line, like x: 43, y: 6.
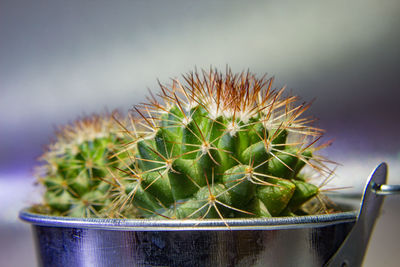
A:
x: 338, y: 239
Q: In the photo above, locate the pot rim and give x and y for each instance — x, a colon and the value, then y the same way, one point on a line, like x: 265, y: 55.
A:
x: 278, y: 223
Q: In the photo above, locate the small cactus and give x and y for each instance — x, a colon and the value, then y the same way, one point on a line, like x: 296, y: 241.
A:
x: 218, y: 146
x: 76, y: 165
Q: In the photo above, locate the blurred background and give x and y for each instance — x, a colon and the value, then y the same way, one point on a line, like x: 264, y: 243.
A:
x: 62, y: 59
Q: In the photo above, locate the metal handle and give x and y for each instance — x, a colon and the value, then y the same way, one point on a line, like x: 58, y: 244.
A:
x: 351, y: 252
x: 386, y: 189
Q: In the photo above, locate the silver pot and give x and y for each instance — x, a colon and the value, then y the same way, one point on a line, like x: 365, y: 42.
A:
x: 338, y: 239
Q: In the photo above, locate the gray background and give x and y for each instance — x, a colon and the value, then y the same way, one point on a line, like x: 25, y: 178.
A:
x: 61, y: 59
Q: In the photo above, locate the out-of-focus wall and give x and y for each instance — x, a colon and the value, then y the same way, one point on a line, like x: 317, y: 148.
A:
x: 60, y: 59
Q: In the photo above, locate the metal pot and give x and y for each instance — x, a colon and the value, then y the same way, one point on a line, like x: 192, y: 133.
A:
x: 338, y: 239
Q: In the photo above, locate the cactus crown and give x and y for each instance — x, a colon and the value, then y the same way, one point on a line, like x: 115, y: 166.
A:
x: 216, y: 146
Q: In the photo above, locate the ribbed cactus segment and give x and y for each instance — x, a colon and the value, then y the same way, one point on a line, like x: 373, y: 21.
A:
x: 76, y: 164
x: 221, y: 146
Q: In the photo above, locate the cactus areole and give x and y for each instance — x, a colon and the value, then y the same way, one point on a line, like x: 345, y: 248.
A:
x: 212, y: 145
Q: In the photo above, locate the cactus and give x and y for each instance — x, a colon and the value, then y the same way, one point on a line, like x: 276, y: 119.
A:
x: 76, y: 164
x: 218, y: 146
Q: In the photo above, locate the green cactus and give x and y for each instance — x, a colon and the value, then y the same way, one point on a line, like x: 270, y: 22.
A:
x: 218, y: 146
x: 76, y: 164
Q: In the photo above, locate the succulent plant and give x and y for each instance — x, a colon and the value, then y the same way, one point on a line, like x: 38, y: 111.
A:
x: 76, y: 165
x: 218, y: 146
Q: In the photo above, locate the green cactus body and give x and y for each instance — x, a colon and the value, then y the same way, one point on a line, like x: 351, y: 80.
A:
x: 219, y: 148
x: 76, y: 166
